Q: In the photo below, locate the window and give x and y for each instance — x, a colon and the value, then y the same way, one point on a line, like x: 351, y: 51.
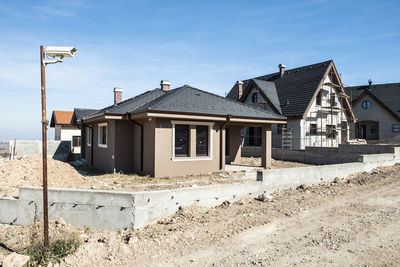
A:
x: 89, y: 136
x: 201, y: 140
x: 253, y: 136
x: 395, y: 128
x: 181, y: 140
x: 318, y: 101
x: 366, y: 104
x: 374, y: 129
x: 254, y: 98
x: 76, y: 141
x: 102, y: 135
x: 313, y: 129
x: 279, y: 129
x: 333, y: 100
x: 331, y: 131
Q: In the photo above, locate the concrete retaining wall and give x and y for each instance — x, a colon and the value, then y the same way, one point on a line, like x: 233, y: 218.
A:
x: 327, y: 155
x: 59, y: 150
x: 112, y: 210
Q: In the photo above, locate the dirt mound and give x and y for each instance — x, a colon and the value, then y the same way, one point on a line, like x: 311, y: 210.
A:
x: 28, y: 171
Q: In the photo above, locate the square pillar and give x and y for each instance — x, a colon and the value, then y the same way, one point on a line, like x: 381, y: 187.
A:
x: 266, y: 146
x: 235, y: 145
x: 192, y: 141
x: 222, y: 136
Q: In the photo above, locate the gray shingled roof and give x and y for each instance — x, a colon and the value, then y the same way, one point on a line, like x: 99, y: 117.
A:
x: 131, y: 104
x: 388, y: 94
x: 296, y: 87
x: 80, y: 113
x: 269, y: 89
x: 192, y: 100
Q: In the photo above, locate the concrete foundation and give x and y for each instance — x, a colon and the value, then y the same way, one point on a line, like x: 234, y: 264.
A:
x: 110, y: 210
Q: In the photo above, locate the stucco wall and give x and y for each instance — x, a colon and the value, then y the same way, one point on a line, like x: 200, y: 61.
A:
x: 167, y: 166
x: 124, y: 149
x: 103, y: 158
x: 379, y: 114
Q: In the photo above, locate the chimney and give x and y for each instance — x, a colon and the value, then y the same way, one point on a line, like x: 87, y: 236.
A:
x: 370, y: 83
x: 165, y: 85
x: 117, y: 95
x: 281, y: 69
x: 239, y: 89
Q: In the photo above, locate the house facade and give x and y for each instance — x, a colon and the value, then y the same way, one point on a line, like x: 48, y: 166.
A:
x: 377, y: 108
x: 176, y: 132
x: 64, y: 130
x: 311, y: 97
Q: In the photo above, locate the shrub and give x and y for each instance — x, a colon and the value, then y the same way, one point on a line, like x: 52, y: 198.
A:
x: 57, y: 250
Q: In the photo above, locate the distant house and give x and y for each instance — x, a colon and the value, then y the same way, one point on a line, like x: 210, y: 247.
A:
x: 166, y: 132
x: 64, y: 130
x: 311, y: 97
x: 377, y: 108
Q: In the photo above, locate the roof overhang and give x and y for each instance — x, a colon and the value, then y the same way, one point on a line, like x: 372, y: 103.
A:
x: 102, y: 117
x: 204, y: 117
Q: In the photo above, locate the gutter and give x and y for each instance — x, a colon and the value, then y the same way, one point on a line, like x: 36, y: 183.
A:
x: 141, y: 141
x: 221, y: 152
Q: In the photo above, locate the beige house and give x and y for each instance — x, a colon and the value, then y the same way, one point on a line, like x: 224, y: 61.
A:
x: 176, y: 132
x: 377, y: 108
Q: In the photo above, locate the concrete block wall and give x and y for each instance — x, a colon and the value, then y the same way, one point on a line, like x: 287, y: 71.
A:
x: 56, y: 149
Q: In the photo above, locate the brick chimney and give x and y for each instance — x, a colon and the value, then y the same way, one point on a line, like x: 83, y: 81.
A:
x: 165, y: 85
x: 239, y: 89
x: 117, y: 95
x: 281, y: 69
x: 370, y: 83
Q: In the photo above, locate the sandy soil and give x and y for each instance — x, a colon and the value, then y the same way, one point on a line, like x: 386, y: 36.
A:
x: 28, y: 171
x: 349, y: 222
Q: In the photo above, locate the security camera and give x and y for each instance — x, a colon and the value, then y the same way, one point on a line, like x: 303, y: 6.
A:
x: 61, y: 51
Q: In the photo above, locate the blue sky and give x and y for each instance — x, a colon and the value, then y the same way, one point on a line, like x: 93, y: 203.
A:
x: 207, y: 44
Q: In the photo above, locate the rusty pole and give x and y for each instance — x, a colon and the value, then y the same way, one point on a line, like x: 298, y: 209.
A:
x: 44, y: 149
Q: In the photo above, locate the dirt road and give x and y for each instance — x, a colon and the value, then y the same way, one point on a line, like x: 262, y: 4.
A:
x: 352, y: 222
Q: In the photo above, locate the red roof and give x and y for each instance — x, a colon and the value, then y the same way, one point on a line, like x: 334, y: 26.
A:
x: 61, y: 117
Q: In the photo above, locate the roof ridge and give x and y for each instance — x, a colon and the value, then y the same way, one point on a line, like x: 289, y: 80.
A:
x: 233, y: 101
x: 158, y: 99
x: 292, y: 69
x: 129, y: 99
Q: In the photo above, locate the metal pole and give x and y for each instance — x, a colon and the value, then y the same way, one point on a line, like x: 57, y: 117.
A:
x: 44, y: 150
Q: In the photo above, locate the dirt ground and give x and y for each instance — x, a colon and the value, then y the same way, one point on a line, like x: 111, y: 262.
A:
x: 28, y: 171
x: 349, y: 222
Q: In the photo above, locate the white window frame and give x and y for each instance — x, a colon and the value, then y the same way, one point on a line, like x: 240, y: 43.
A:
x: 98, y: 134
x: 210, y: 141
x: 89, y: 136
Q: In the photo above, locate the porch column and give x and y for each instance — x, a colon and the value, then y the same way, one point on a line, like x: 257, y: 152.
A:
x: 266, y: 145
x: 235, y: 140
x: 192, y: 141
x: 222, y: 140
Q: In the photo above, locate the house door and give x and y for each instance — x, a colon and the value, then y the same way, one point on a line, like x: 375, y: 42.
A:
x: 363, y: 131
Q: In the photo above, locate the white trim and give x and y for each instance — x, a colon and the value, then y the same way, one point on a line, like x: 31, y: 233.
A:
x: 89, y: 136
x: 193, y: 122
x: 191, y: 159
x: 98, y: 134
x: 113, y: 117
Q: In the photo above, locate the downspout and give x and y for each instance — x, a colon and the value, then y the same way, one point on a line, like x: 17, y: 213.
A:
x: 141, y: 141
x: 91, y: 148
x: 221, y: 152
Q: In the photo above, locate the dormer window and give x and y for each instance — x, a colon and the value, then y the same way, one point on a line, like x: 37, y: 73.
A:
x: 254, y: 98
